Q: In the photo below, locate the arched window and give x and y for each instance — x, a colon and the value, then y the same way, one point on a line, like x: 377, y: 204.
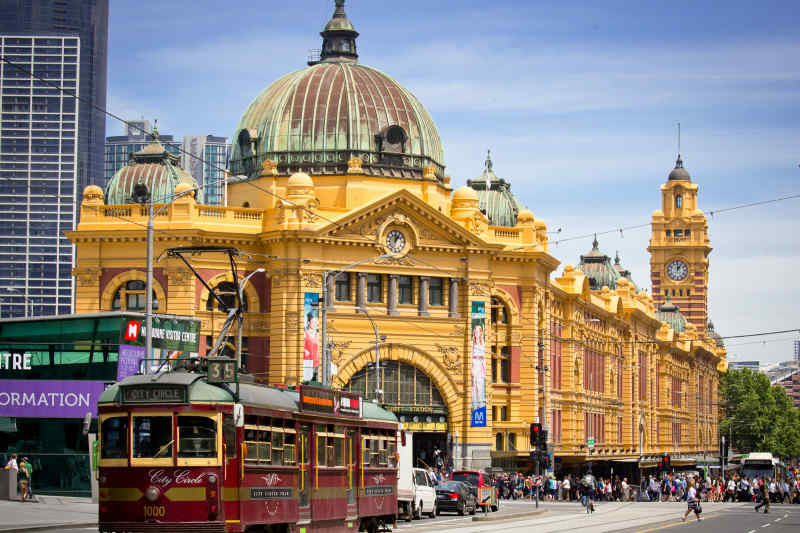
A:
x: 499, y: 311
x: 131, y: 297
x: 512, y: 441
x: 498, y: 442
x: 678, y: 201
x: 227, y: 292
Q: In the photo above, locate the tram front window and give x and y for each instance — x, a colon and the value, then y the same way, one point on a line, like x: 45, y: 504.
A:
x: 152, y: 436
x: 197, y: 436
x: 114, y: 432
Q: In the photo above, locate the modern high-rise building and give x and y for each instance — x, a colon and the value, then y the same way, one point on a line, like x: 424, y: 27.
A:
x: 206, y: 157
x: 51, y: 144
x: 119, y: 148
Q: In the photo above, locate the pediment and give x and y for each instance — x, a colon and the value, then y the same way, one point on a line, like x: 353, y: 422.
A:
x: 430, y: 226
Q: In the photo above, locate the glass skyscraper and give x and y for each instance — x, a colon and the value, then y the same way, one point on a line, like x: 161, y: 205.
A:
x: 207, y: 163
x: 51, y: 145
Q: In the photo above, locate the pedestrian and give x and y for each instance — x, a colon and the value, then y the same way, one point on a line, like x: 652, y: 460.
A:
x: 764, y: 490
x: 589, y: 486
x: 692, y: 503
x: 12, y: 463
x: 24, y: 478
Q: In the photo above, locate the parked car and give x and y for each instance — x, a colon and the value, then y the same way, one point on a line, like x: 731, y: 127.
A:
x: 424, y: 494
x: 455, y: 496
x: 485, y: 492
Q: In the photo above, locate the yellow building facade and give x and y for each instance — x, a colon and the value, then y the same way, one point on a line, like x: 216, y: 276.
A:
x: 339, y: 169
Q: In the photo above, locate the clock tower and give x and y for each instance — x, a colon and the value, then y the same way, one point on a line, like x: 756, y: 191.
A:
x: 679, y: 248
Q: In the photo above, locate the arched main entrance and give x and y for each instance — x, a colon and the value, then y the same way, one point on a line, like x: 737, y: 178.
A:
x: 414, y: 398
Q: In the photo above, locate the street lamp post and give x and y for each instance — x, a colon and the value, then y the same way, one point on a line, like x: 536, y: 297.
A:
x: 240, y: 318
x: 326, y: 354
x: 141, y: 195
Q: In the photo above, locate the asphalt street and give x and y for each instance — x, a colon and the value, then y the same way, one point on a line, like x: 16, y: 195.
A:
x: 616, y: 517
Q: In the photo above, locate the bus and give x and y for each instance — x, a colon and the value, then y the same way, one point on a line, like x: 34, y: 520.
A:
x: 180, y: 453
x: 762, y: 465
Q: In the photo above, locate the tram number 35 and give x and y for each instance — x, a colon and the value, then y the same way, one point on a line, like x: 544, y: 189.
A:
x: 155, y: 511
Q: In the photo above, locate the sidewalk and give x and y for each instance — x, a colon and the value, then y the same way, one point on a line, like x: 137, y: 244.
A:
x: 47, y: 512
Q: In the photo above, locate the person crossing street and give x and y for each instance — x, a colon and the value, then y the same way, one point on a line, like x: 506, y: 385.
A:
x: 764, y: 490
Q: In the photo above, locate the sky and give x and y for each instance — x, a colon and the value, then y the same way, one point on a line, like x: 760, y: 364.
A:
x: 578, y: 102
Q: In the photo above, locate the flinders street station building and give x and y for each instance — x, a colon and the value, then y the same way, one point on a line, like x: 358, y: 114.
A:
x: 479, y: 330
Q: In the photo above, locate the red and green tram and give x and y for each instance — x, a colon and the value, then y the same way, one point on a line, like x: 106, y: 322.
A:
x: 178, y: 453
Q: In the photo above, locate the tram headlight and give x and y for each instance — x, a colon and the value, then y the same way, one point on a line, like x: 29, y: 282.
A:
x: 212, y: 478
x: 151, y: 494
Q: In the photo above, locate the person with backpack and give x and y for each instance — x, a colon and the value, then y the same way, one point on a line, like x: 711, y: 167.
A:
x: 589, y: 489
x: 692, y: 503
x: 24, y: 479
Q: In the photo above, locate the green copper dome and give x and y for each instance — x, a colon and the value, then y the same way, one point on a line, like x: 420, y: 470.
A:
x: 598, y: 268
x: 156, y: 168
x: 494, y: 197
x: 671, y: 314
x: 316, y: 119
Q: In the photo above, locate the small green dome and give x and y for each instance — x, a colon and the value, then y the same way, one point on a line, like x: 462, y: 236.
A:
x: 494, y: 197
x: 671, y: 314
x: 154, y: 167
x: 598, y: 268
x: 317, y: 118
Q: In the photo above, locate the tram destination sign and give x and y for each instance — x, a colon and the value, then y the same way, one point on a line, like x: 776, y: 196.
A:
x: 321, y: 400
x: 154, y: 394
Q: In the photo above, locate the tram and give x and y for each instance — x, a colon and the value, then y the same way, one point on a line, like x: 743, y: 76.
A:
x: 180, y: 453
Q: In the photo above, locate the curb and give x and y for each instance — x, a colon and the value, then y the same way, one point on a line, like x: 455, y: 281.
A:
x: 45, y: 527
x: 514, y: 516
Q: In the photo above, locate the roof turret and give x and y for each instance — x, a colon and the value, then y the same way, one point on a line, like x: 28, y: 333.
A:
x: 671, y: 314
x: 154, y: 167
x: 494, y: 196
x: 679, y: 173
x: 339, y: 37
x: 598, y: 268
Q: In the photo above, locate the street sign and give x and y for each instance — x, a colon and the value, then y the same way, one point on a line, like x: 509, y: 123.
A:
x: 590, y: 442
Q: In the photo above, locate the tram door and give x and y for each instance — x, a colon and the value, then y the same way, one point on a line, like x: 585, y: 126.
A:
x: 304, y: 478
x: 351, y: 458
x: 232, y: 470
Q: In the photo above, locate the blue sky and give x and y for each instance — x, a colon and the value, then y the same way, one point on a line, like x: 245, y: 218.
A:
x: 578, y: 102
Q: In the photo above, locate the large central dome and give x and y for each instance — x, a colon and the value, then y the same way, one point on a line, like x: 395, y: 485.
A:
x: 314, y: 120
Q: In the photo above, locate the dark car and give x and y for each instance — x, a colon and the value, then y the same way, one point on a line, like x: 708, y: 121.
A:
x: 455, y: 496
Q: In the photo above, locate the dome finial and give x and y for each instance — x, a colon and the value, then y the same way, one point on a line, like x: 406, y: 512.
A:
x: 616, y: 258
x: 154, y: 135
x: 488, y: 160
x: 595, y: 244
x: 339, y: 37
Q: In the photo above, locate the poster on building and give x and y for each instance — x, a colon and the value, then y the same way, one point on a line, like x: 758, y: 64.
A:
x: 311, y: 354
x: 130, y: 358
x: 478, y: 408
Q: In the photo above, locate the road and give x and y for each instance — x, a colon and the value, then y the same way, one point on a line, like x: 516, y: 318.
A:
x: 617, y: 517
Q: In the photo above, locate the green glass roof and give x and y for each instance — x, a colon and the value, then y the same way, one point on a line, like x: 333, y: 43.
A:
x: 494, y: 197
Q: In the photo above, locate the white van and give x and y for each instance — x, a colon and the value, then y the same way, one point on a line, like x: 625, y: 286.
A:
x: 424, y: 494
x: 416, y: 492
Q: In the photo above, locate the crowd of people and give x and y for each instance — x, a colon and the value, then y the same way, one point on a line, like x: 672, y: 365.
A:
x: 674, y: 487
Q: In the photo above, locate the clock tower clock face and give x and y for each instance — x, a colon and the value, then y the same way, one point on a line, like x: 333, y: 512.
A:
x: 395, y: 241
x: 677, y: 270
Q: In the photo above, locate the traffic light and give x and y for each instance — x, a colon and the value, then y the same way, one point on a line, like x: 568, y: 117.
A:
x: 542, y: 444
x: 536, y: 431
x: 667, y: 463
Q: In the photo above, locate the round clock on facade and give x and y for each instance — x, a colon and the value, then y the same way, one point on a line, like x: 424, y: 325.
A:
x: 395, y: 241
x: 677, y: 270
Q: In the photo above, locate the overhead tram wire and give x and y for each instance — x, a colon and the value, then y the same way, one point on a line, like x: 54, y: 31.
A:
x: 112, y: 115
x: 274, y: 195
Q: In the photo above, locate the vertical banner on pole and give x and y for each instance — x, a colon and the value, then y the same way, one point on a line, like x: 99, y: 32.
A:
x: 478, y: 407
x: 311, y: 346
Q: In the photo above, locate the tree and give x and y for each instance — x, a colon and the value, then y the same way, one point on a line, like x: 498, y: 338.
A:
x: 760, y: 416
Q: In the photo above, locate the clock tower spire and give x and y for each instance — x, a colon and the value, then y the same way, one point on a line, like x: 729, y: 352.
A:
x: 679, y: 248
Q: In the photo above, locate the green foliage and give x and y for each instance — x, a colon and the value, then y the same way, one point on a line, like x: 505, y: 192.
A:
x: 760, y: 417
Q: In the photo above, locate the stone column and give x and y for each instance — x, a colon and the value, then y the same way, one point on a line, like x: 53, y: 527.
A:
x: 331, y: 280
x: 424, y: 282
x: 361, y: 292
x: 392, y: 303
x: 453, y: 298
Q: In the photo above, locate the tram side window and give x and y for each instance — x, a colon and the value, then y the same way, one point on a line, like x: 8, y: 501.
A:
x: 330, y: 445
x: 378, y: 450
x: 267, y: 441
x: 229, y: 436
x: 152, y: 436
x: 197, y: 436
x: 114, y: 433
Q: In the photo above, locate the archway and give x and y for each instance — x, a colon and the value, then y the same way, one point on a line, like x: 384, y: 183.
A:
x: 414, y: 396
